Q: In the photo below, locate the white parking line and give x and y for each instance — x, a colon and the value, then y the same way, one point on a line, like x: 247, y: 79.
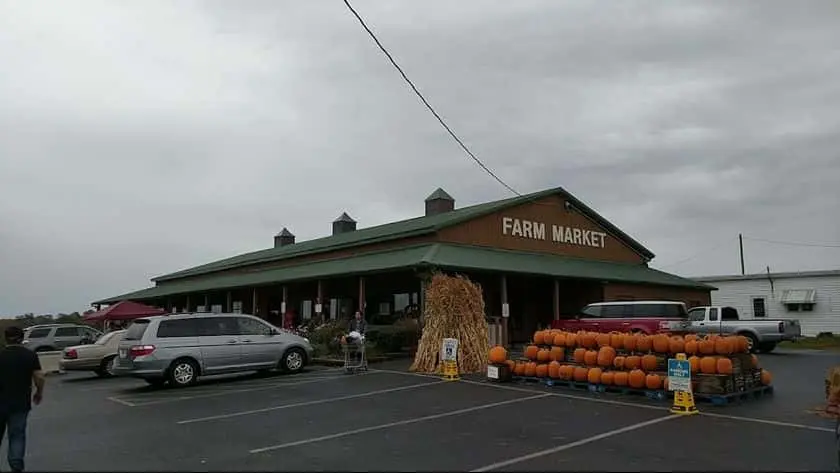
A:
x: 768, y: 422
x: 308, y: 403
x: 395, y: 424
x: 594, y: 438
x: 140, y: 402
x: 123, y: 402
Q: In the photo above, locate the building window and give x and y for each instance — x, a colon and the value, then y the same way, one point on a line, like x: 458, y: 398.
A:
x: 759, y: 309
x: 800, y: 307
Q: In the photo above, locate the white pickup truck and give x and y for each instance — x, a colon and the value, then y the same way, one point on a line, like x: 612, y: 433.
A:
x: 763, y: 334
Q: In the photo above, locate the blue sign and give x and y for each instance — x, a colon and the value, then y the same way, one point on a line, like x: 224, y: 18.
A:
x: 679, y: 375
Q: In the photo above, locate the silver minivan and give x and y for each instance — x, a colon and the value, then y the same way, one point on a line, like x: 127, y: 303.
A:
x: 180, y: 348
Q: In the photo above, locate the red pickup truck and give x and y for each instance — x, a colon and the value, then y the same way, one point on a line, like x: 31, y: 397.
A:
x: 647, y: 317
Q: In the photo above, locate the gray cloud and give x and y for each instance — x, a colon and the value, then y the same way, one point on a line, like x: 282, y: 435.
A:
x: 138, y: 139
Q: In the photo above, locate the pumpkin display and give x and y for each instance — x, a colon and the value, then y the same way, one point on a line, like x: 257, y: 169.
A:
x: 587, y: 340
x: 660, y: 343
x: 519, y: 369
x: 706, y: 347
x: 511, y: 364
x: 603, y: 339
x: 606, y: 355
x: 531, y: 352
x: 754, y: 361
x: 557, y: 353
x: 621, y: 378
x: 543, y: 355
x: 607, y: 377
x: 542, y: 370
x: 590, y: 358
x: 724, y: 365
x: 653, y: 381
x: 690, y: 338
x: 742, y: 344
x: 724, y: 346
x: 580, y: 373
x: 497, y: 355
x: 766, y: 377
x: 649, y: 362
x: 643, y: 343
x: 632, y: 362
x: 708, y: 365
x: 594, y: 375
x: 691, y: 347
x: 559, y: 340
x: 676, y: 345
x: 554, y: 370
x: 579, y: 355
x: 694, y: 363
x: 636, y: 379
x: 630, y: 341
x: 618, y: 362
x: 566, y: 371
x: 617, y: 340
x: 530, y: 369
x: 539, y: 337
x: 571, y: 340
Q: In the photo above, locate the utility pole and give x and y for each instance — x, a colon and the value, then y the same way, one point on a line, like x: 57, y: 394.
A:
x: 741, y: 245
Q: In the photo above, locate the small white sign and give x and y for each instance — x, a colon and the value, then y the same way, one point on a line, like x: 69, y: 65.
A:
x: 492, y: 372
x: 679, y: 375
x: 236, y: 307
x: 283, y: 307
x: 201, y: 308
x: 318, y: 308
x: 505, y: 310
x: 449, y: 350
x: 216, y: 308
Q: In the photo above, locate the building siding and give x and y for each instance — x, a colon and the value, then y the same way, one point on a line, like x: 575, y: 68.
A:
x: 824, y: 318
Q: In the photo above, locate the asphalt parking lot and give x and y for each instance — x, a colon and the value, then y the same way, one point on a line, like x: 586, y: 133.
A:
x: 388, y: 419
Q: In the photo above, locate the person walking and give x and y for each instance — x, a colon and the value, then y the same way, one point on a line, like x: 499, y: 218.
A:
x: 20, y: 368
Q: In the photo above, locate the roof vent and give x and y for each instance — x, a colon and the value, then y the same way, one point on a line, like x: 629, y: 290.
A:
x: 343, y: 224
x: 284, y: 238
x: 439, y: 202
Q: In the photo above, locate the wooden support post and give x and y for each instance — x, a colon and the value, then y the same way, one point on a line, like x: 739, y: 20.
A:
x: 362, y: 295
x: 505, y: 312
x: 319, y: 299
x: 284, y: 301
x: 229, y: 302
x: 254, y: 302
x: 556, y: 300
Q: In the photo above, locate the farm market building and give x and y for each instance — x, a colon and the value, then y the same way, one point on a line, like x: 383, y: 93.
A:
x: 536, y: 256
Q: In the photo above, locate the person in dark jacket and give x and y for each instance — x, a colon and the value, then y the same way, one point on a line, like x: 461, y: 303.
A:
x: 20, y: 368
x: 357, y: 323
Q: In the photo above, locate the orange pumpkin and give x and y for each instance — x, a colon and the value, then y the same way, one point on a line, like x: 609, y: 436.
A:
x: 754, y: 360
x: 632, y: 362
x: 498, y: 354
x: 708, y: 365
x: 630, y: 341
x: 723, y: 346
x: 691, y: 347
x: 559, y: 340
x: 603, y: 339
x: 619, y: 362
x: 587, y: 340
x: 766, y: 377
x: 660, y: 343
x: 621, y: 378
x: 557, y: 353
x: 530, y: 369
x: 566, y: 371
x: 636, y: 379
x: 544, y: 355
x: 606, y: 355
x: 676, y: 345
x: 542, y: 370
x: 707, y: 347
x: 743, y: 344
x: 579, y: 355
x: 694, y: 363
x: 519, y: 369
x: 724, y: 365
x: 690, y: 338
x: 644, y: 343
x: 590, y: 358
x: 617, y: 340
x: 554, y: 370
x: 581, y: 373
x: 531, y: 352
x: 607, y: 377
x: 539, y: 337
x: 571, y: 340
x: 649, y: 362
x: 653, y: 381
x: 594, y: 375
x: 511, y: 364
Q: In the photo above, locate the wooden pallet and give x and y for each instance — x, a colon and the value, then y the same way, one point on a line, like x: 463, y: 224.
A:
x: 734, y: 398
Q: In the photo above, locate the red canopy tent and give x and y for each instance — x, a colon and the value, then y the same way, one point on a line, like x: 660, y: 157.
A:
x: 123, y: 310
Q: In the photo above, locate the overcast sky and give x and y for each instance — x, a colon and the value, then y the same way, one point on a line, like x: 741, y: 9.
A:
x: 138, y: 138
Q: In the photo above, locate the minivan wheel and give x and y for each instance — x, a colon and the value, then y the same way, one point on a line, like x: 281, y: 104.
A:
x: 293, y: 360
x: 183, y: 373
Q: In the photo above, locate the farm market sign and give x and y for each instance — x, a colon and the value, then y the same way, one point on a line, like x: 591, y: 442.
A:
x: 557, y: 233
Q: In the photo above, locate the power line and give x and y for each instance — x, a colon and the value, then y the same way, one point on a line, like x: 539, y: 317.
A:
x: 426, y: 102
x: 792, y: 243
x: 700, y: 253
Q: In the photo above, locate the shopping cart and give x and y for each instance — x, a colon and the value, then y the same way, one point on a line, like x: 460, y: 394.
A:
x: 355, y: 359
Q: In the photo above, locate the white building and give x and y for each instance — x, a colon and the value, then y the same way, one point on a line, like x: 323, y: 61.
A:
x: 812, y: 297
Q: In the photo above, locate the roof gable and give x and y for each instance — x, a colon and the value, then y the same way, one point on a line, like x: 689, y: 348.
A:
x: 396, y: 230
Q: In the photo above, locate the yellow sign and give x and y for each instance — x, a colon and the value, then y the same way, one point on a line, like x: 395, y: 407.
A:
x: 683, y: 397
x: 450, y: 370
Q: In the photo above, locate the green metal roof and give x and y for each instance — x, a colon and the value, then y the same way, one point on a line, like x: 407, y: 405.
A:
x: 441, y: 255
x: 397, y: 230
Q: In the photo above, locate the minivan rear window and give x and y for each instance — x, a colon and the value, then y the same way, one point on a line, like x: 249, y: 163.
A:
x: 136, y: 330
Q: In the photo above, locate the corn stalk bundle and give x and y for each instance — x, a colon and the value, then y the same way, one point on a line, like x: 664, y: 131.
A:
x: 454, y: 308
